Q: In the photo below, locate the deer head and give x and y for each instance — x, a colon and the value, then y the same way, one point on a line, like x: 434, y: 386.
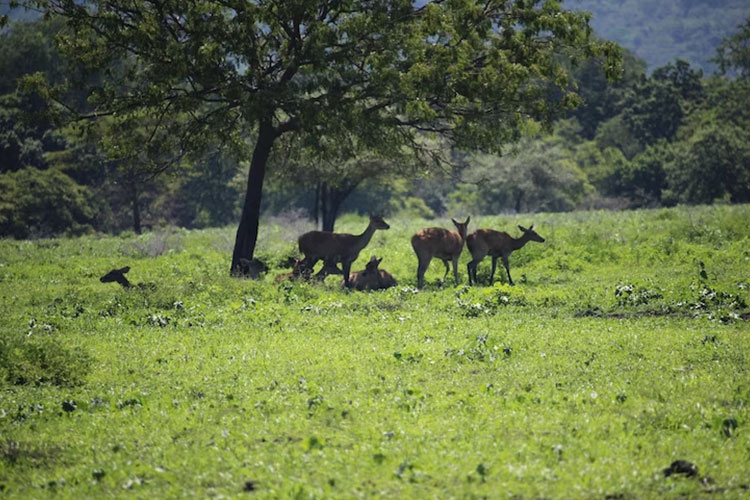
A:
x: 378, y: 222
x: 462, y: 227
x: 531, y: 234
x: 117, y: 275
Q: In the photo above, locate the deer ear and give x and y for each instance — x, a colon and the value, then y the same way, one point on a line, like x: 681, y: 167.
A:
x: 125, y: 269
x: 523, y: 229
x: 454, y: 221
x: 467, y: 220
x: 531, y: 227
x: 379, y: 260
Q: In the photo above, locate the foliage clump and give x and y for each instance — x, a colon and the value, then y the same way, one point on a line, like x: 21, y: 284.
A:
x: 38, y: 359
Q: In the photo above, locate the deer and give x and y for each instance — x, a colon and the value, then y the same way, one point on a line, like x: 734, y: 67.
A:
x: 497, y: 244
x: 333, y: 248
x: 371, y: 278
x: 329, y: 267
x: 118, y: 276
x: 298, y: 271
x: 442, y: 243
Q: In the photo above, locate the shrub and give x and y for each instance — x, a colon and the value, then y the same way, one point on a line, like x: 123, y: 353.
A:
x: 44, y: 203
x: 40, y: 359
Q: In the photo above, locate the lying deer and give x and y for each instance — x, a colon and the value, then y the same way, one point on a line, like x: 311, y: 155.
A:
x: 118, y: 276
x: 298, y: 271
x: 441, y: 243
x: 301, y: 271
x: 371, y: 278
x: 337, y: 247
x: 497, y: 244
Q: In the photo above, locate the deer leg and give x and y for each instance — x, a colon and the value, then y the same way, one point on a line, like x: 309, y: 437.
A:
x: 308, y: 263
x: 507, y: 269
x: 421, y: 268
x: 345, y: 267
x: 469, y: 270
x: 455, y: 268
x: 329, y: 267
x: 494, y: 266
x: 447, y: 270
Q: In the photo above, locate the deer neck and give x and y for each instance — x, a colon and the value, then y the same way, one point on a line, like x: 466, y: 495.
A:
x: 461, y: 238
x: 364, y: 238
x: 520, y: 242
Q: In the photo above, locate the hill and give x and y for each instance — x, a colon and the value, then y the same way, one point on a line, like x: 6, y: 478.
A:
x: 660, y: 32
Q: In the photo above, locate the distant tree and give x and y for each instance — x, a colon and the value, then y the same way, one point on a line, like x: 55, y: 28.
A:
x: 333, y: 172
x: 602, y: 166
x: 733, y: 55
x: 382, y: 71
x: 615, y: 133
x: 26, y: 132
x: 602, y: 98
x: 540, y: 176
x: 210, y: 191
x: 656, y: 106
x: 38, y: 203
x: 644, y: 178
x: 712, y: 164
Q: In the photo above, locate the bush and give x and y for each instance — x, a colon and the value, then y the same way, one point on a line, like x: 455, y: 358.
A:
x: 44, y: 203
x: 40, y: 359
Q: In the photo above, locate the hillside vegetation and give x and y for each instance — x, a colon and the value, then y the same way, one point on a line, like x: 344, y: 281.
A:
x: 622, y: 348
x: 660, y: 32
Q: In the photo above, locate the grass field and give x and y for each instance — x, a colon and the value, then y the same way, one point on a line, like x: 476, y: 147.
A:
x: 623, y: 346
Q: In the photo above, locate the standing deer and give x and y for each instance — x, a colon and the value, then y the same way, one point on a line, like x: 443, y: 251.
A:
x: 337, y: 247
x: 497, y: 244
x: 441, y: 243
x: 371, y: 278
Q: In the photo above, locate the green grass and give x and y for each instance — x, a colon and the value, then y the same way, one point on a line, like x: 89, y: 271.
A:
x: 624, y: 346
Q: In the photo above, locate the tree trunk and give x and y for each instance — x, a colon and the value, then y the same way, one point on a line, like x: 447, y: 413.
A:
x: 247, y: 232
x: 519, y: 198
x: 332, y: 198
x: 327, y: 225
x: 316, y: 203
x: 136, y: 208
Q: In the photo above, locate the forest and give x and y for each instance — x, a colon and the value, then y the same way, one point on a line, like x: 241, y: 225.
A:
x: 662, y: 137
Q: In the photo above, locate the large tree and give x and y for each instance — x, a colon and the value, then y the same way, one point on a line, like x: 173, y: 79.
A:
x: 381, y: 74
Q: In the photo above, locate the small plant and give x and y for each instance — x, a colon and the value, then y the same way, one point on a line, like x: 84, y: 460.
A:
x: 629, y: 295
x: 40, y: 359
x: 155, y: 244
x: 478, y: 351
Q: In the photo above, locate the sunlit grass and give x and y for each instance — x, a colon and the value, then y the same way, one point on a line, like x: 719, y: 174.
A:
x: 624, y: 346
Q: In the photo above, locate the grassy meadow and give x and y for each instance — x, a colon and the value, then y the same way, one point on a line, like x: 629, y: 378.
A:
x: 623, y: 346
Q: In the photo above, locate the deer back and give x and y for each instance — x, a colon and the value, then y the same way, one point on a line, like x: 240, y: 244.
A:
x: 324, y: 244
x: 386, y: 279
x: 492, y: 241
x: 437, y: 241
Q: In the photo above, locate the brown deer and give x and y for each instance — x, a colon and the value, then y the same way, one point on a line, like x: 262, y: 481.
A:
x: 329, y: 268
x: 497, y: 244
x: 117, y: 275
x: 337, y: 247
x: 441, y: 243
x: 371, y: 278
x: 299, y: 271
